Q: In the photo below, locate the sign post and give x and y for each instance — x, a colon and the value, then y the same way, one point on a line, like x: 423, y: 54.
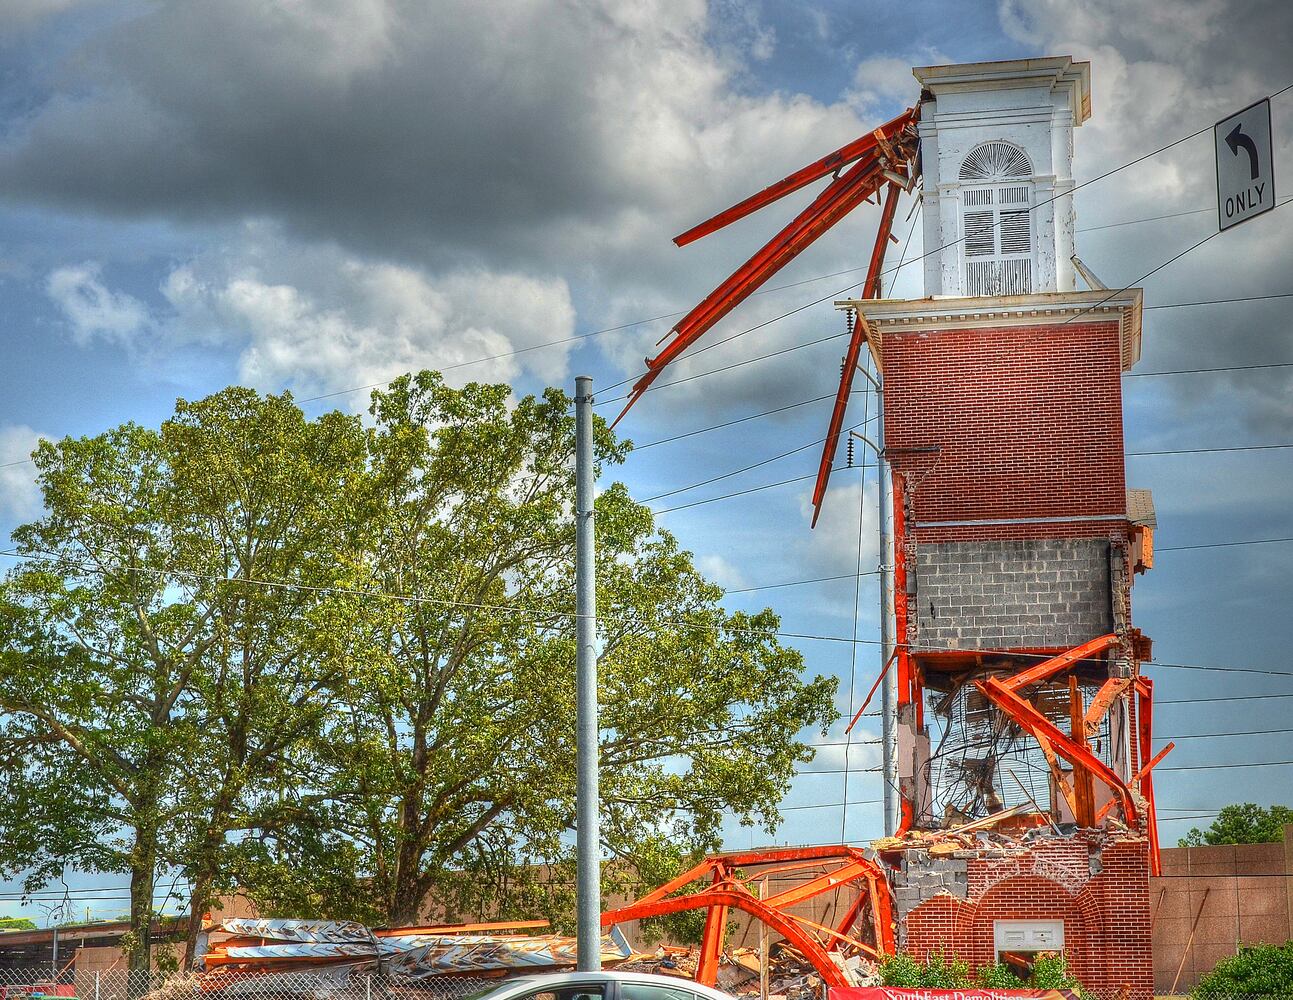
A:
x: 1245, y: 165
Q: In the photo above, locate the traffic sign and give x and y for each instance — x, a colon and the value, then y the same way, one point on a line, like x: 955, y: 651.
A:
x: 1245, y: 166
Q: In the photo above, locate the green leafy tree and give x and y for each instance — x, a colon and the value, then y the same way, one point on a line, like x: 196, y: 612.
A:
x: 1244, y: 823
x: 16, y: 924
x: 150, y: 690
x: 333, y: 666
x: 452, y: 768
x: 1260, y: 971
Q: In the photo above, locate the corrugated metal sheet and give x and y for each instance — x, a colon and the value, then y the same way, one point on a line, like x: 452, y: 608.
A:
x: 321, y: 943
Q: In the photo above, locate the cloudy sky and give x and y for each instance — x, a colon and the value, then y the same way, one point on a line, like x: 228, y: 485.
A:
x: 321, y: 194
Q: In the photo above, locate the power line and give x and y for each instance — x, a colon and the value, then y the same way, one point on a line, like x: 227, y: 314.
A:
x: 1178, y: 767
x: 1031, y: 208
x: 800, y: 583
x: 1211, y: 700
x: 650, y: 444
x: 748, y: 468
x: 1156, y: 218
x: 1217, y: 302
x: 1151, y: 272
x: 736, y: 364
x: 1221, y: 545
x: 1157, y: 736
x: 557, y: 613
x: 1200, y: 371
x: 800, y: 479
x: 830, y: 805
x: 1209, y: 767
x: 738, y: 493
x: 729, y: 423
x: 1208, y: 451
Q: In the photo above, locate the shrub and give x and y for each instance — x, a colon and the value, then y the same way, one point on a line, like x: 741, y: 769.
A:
x: 997, y: 977
x: 1264, y: 970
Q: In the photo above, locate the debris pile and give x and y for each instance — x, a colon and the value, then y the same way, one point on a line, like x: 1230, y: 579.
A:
x: 408, y: 953
x: 790, y: 975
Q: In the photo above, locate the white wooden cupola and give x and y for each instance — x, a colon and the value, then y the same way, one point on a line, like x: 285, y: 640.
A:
x: 997, y: 161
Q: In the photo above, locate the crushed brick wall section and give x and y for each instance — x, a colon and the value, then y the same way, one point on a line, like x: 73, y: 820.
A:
x: 1028, y: 420
x: 1012, y: 593
x: 1100, y: 892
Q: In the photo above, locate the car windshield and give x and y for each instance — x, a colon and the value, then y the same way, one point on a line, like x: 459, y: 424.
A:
x: 484, y: 991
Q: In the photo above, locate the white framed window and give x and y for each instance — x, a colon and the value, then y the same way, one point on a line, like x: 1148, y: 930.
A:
x: 996, y: 220
x: 1028, y: 935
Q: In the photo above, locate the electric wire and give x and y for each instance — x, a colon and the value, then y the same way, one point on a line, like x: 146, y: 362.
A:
x: 65, y: 561
x: 800, y: 479
x: 800, y: 583
x: 857, y: 607
x: 1152, y: 271
x: 815, y: 399
x: 1032, y: 208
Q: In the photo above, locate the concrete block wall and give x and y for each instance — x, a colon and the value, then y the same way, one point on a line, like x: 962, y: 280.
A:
x: 1012, y: 592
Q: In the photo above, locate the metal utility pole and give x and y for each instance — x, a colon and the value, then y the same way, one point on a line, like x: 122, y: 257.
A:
x: 889, y: 686
x: 588, y: 892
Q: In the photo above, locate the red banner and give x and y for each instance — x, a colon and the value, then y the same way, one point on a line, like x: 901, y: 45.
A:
x: 920, y: 993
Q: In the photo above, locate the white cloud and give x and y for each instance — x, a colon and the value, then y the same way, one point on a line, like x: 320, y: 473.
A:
x: 91, y: 308
x: 17, y: 14
x: 319, y: 320
x: 720, y: 570
x: 831, y: 549
x: 19, y: 495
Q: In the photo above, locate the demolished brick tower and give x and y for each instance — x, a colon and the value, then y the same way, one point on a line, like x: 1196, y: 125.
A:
x: 1019, y: 696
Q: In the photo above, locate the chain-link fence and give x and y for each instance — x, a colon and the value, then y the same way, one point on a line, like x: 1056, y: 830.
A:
x: 331, y: 984
x: 343, y: 983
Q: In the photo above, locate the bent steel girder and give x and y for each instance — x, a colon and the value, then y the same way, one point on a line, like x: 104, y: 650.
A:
x: 873, y: 162
x: 730, y: 877
x: 1005, y: 694
x: 870, y: 290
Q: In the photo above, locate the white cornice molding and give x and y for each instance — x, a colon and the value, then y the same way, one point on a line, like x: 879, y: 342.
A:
x: 888, y: 316
x: 1057, y: 72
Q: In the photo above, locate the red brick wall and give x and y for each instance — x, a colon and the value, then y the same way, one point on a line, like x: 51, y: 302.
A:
x: 1106, y: 915
x: 1028, y: 420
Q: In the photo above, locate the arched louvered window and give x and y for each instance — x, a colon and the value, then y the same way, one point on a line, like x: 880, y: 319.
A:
x: 998, y: 243
x: 996, y: 161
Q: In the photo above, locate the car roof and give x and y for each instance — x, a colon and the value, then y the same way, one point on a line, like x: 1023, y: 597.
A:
x: 654, y: 979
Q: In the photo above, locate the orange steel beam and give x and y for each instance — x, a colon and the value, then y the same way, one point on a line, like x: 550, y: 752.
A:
x: 1048, y: 668
x: 1054, y: 764
x: 1083, y: 784
x: 711, y: 941
x: 1153, y: 763
x: 870, y: 290
x: 828, y: 164
x: 1034, y: 722
x: 871, y: 694
x: 820, y: 884
x: 835, y: 937
x: 849, y: 189
x: 1145, y: 732
x: 740, y: 900
x: 838, y: 199
x: 728, y: 890
x: 1109, y: 692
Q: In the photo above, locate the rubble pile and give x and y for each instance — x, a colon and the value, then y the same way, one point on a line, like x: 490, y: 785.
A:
x: 790, y: 975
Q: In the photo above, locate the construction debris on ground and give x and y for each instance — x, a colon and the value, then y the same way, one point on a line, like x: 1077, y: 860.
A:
x: 342, y: 948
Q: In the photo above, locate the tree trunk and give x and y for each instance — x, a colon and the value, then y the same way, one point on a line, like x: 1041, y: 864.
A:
x: 143, y: 875
x: 197, y: 908
x: 408, y: 894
